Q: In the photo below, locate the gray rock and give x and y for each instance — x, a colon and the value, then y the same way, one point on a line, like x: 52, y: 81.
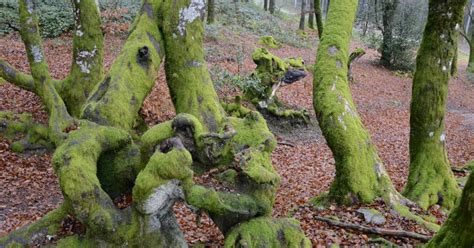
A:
x: 372, y: 216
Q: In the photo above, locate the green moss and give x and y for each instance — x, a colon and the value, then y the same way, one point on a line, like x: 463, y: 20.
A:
x: 47, y: 225
x: 457, y: 230
x: 360, y: 174
x: 187, y: 74
x: 116, y: 101
x: 404, y: 211
x: 87, y: 64
x: 17, y: 147
x: 431, y: 180
x: 161, y: 168
x: 269, y: 41
x: 267, y: 232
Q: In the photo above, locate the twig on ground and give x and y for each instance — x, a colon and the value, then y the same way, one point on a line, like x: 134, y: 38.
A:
x: 375, y: 230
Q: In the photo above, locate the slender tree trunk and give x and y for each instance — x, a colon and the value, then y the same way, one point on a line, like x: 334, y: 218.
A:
x: 302, y: 15
x: 319, y: 17
x: 311, y: 15
x: 272, y: 6
x: 457, y: 230
x: 389, y: 8
x: 431, y: 180
x: 210, y: 11
x: 265, y: 5
x: 360, y: 174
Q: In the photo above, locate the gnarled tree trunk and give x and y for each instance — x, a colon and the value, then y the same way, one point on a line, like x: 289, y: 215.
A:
x: 99, y: 155
x: 431, y: 180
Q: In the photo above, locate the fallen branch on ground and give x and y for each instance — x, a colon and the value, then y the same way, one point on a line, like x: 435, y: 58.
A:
x: 375, y: 230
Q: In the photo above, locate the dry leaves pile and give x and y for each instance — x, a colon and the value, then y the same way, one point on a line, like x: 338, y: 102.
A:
x: 30, y: 189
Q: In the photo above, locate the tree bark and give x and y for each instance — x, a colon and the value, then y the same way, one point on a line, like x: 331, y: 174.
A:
x: 302, y: 14
x: 311, y: 15
x: 265, y: 5
x: 272, y: 6
x: 457, y: 230
x: 319, y: 17
x: 430, y: 179
x: 210, y: 11
x: 99, y: 155
x: 360, y: 174
x: 389, y: 8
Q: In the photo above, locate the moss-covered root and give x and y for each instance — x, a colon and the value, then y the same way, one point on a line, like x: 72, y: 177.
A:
x: 457, y: 231
x: 190, y: 84
x: 360, y: 174
x: 33, y: 136
x: 37, y: 232
x: 356, y: 54
x: 430, y: 180
x: 296, y: 116
x: 87, y: 63
x: 116, y: 101
x: 267, y: 232
x: 75, y: 164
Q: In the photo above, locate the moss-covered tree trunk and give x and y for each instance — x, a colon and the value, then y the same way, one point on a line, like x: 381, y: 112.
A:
x: 457, y: 230
x: 360, y: 174
x: 430, y: 179
x: 319, y: 17
x: 389, y: 8
x: 99, y: 154
x: 302, y: 14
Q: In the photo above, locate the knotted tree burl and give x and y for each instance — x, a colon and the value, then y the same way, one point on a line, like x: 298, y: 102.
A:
x: 100, y: 154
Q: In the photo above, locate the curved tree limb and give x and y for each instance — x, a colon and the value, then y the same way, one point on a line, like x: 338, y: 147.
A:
x: 59, y: 116
x: 20, y: 79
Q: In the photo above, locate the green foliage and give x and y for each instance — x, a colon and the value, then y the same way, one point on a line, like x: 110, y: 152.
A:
x: 249, y: 18
x: 55, y: 17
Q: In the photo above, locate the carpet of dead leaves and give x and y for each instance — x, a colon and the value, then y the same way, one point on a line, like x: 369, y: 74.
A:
x: 29, y: 188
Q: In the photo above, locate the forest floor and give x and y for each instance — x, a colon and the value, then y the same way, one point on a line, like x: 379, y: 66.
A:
x: 29, y: 188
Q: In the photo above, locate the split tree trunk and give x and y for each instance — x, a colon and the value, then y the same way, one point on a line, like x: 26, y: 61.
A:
x: 360, y: 174
x: 430, y: 179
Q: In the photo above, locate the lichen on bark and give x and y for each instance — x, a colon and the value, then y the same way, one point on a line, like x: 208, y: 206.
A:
x: 430, y: 179
x: 360, y: 174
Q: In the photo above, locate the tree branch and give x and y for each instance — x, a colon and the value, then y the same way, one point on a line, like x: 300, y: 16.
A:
x: 16, y: 77
x: 59, y: 116
x: 87, y: 63
x: 375, y: 230
x: 20, y: 79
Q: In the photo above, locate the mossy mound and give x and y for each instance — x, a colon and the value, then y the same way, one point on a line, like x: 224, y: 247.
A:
x: 267, y: 232
x: 270, y: 42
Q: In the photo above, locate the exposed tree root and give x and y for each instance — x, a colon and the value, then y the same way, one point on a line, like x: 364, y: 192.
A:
x: 375, y: 230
